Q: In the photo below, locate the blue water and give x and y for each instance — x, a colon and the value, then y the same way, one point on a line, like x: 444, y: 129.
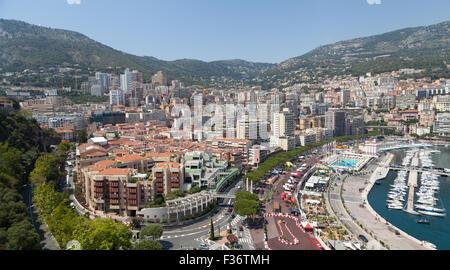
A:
x: 350, y: 163
x: 438, y: 231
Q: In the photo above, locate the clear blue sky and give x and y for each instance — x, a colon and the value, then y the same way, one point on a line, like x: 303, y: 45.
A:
x: 254, y: 30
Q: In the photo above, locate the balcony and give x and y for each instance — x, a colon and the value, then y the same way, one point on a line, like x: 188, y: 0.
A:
x: 114, y: 196
x: 99, y: 184
x: 113, y: 190
x: 99, y: 190
x: 114, y: 184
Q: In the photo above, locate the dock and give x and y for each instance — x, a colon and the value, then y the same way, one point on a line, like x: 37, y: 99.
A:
x: 412, y: 184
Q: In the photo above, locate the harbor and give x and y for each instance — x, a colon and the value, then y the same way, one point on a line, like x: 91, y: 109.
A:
x: 422, y: 197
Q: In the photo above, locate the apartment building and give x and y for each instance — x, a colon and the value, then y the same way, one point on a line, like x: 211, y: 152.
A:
x: 201, y: 169
x: 240, y: 146
x: 167, y: 177
x: 119, y: 190
x: 442, y: 124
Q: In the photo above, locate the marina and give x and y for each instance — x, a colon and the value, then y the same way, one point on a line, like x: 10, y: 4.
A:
x: 415, y: 187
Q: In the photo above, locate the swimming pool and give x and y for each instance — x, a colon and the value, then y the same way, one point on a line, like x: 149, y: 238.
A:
x: 349, y: 163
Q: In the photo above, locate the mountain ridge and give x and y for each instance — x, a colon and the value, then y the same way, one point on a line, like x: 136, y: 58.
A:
x: 24, y: 45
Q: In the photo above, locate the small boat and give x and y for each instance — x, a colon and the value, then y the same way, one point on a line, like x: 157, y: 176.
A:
x: 394, y: 206
x: 423, y: 221
x: 378, y: 182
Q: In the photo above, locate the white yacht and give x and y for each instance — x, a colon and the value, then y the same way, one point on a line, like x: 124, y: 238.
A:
x: 432, y: 213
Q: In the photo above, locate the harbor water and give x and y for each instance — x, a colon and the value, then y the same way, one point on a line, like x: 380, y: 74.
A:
x: 438, y: 230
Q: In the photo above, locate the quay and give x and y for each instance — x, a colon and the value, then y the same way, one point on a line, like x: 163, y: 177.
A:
x: 373, y: 221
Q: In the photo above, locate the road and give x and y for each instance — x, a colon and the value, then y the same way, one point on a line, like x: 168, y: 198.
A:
x: 190, y: 237
x: 48, y: 242
x: 350, y: 198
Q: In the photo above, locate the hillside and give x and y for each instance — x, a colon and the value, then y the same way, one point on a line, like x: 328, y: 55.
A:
x: 420, y: 47
x: 26, y: 46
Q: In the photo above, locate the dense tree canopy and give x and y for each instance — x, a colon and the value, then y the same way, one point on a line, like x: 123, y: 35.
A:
x: 153, y: 230
x: 246, y: 203
x: 148, y: 245
x: 46, y: 170
x: 102, y: 234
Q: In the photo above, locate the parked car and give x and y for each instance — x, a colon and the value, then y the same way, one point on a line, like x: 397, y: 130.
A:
x: 363, y: 238
x: 204, y: 246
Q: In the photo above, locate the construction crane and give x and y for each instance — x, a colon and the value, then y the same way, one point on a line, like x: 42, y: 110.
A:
x: 357, y: 139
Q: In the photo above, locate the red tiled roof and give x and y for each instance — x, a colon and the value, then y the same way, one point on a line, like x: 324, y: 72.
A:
x: 115, y: 171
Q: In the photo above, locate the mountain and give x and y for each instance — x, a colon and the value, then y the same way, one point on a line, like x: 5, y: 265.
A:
x: 425, y: 47
x: 26, y: 46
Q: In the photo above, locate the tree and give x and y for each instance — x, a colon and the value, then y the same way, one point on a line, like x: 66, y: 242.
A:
x: 232, y: 239
x: 153, y: 230
x: 148, y: 245
x: 46, y: 199
x: 46, y: 171
x: 61, y: 224
x: 244, y: 207
x: 11, y: 161
x: 211, y: 231
x: 246, y: 195
x: 82, y: 136
x: 63, y: 148
x: 102, y: 234
x: 21, y: 236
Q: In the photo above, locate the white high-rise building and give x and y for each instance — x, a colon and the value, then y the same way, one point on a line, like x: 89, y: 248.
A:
x: 283, y: 130
x: 283, y: 124
x: 126, y: 82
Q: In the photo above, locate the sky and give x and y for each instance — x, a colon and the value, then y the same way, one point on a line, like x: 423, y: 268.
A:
x: 255, y: 30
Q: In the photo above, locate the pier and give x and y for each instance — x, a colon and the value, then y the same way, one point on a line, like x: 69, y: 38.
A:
x: 412, y: 184
x: 419, y: 170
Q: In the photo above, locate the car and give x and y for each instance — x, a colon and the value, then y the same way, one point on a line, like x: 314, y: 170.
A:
x: 230, y: 210
x: 241, y: 228
x: 204, y: 246
x: 363, y: 238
